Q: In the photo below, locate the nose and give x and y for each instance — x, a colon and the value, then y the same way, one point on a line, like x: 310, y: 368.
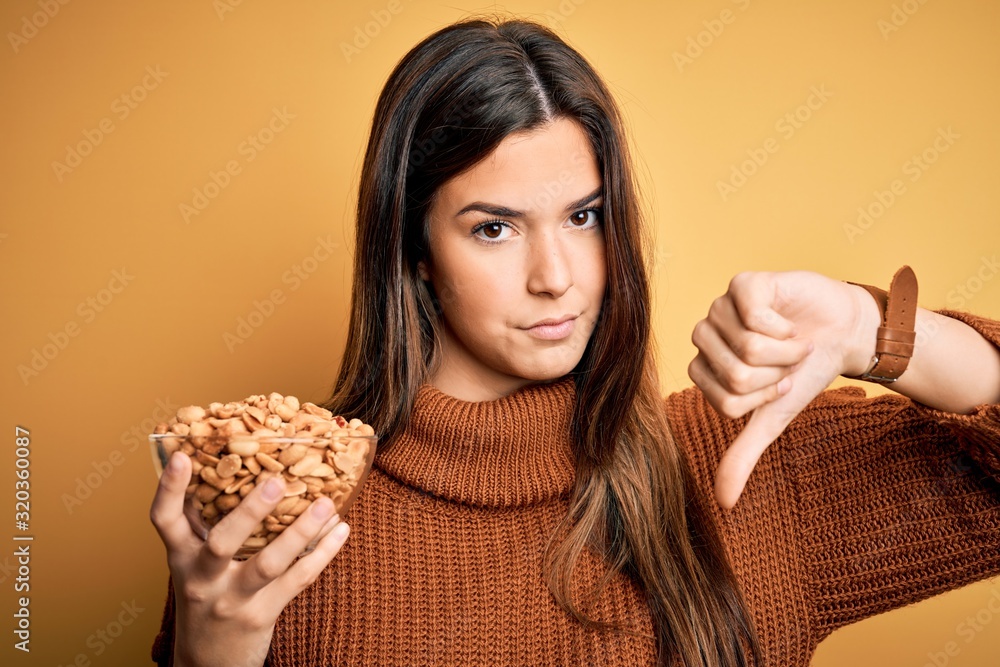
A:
x: 549, y: 268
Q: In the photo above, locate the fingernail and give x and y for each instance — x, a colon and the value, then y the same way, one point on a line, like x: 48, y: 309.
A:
x: 322, y: 508
x: 272, y: 490
x: 784, y: 385
x: 340, y: 532
x: 811, y: 347
x: 174, y: 464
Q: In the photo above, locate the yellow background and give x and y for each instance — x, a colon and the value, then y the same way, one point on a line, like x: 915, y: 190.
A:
x: 160, y: 340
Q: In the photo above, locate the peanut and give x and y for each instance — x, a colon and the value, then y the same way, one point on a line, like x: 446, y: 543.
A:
x: 314, y: 485
x: 211, y: 477
x: 320, y: 429
x: 206, y: 493
x: 227, y: 502
x: 306, y: 464
x: 199, y: 429
x: 243, y: 447
x: 190, y: 414
x: 180, y: 428
x: 285, y: 506
x: 206, y: 459
x: 254, y: 418
x: 295, y: 488
x: 299, y: 507
x: 284, y: 411
x: 267, y: 462
x: 251, y: 464
x: 314, y: 409
x: 293, y: 454
x: 323, y: 470
x: 233, y: 449
x: 239, y: 484
x: 229, y: 465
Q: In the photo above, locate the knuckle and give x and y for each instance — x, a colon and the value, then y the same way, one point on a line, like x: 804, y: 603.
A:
x: 693, y: 371
x: 156, y: 517
x: 717, y: 311
x: 738, y: 380
x: 305, y: 527
x: 751, y: 349
x: 302, y: 579
x: 715, y: 308
x: 215, y: 547
x: 255, y: 618
x: 726, y: 363
x: 267, y: 569
x: 740, y: 280
x: 729, y: 406
x: 192, y: 592
x: 160, y: 517
x: 226, y: 609
x: 762, y: 316
x: 698, y: 333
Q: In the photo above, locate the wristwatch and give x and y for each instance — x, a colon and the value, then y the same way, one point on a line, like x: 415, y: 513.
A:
x: 895, y: 338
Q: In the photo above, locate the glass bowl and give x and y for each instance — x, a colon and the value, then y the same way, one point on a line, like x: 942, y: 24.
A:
x: 227, y: 466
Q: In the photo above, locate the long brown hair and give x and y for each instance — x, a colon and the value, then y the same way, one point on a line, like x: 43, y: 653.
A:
x: 448, y: 104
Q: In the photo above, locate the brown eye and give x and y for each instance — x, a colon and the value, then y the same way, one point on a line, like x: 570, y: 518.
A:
x: 586, y: 218
x: 492, y: 230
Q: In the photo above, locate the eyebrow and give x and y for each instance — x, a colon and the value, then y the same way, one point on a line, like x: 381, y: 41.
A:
x: 503, y: 211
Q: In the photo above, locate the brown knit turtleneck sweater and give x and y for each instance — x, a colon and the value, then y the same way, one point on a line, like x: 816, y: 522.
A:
x: 861, y: 506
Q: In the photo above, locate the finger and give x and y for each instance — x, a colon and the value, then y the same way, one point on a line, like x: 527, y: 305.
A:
x: 753, y: 347
x: 272, y: 561
x: 756, y: 299
x: 732, y: 372
x: 167, y: 510
x: 227, y: 536
x: 332, y: 523
x: 763, y: 428
x: 726, y: 402
x: 306, y: 569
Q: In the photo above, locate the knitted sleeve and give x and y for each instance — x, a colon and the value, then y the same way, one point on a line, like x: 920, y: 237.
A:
x: 862, y: 505
x: 163, y: 643
x: 896, y: 503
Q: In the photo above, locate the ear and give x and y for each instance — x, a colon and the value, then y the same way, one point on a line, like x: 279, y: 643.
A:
x: 422, y: 270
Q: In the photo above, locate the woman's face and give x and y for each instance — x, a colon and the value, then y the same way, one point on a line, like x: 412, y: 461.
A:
x: 517, y: 262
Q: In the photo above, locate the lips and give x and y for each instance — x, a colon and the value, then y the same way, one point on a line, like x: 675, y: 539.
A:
x: 553, y: 328
x: 551, y: 321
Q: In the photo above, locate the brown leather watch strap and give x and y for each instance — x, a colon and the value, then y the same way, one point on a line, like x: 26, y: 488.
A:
x: 895, y: 338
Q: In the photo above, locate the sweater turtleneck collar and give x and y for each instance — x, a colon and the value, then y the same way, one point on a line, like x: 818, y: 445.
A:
x: 510, y: 452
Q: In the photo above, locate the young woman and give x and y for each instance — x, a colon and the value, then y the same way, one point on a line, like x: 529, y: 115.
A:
x: 535, y: 501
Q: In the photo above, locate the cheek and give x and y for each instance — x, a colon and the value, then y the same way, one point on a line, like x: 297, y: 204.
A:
x: 595, y: 274
x: 456, y: 291
x: 467, y: 304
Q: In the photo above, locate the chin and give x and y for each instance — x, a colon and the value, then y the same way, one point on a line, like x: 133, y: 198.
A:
x: 547, y: 370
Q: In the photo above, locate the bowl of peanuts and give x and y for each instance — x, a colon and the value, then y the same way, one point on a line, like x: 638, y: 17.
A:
x: 236, y: 446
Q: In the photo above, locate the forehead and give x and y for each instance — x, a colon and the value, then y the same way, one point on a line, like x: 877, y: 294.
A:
x: 530, y: 171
